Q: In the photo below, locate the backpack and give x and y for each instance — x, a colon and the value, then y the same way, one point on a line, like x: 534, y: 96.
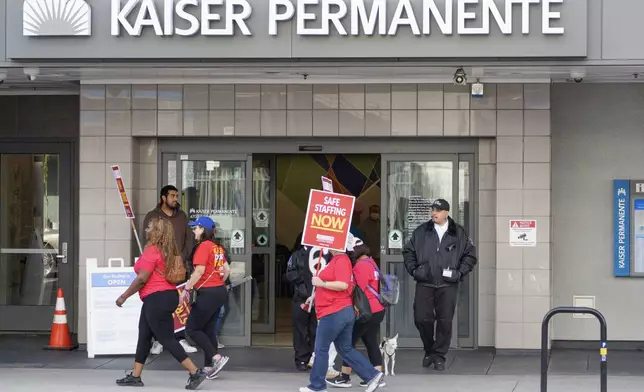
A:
x: 389, y: 292
x: 361, y: 306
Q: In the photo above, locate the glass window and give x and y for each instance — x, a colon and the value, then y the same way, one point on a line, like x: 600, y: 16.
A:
x: 261, y: 202
x: 29, y: 229
x: 464, y: 295
x: 217, y: 189
x: 412, y: 187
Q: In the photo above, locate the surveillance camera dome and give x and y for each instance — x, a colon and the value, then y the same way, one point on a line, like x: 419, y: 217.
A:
x: 31, y: 73
x: 3, y: 77
x: 460, y: 78
x: 577, y: 76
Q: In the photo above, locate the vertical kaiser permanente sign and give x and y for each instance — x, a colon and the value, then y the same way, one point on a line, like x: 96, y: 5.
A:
x: 622, y: 220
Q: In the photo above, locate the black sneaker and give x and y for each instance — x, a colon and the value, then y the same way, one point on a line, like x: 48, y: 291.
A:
x: 427, y: 361
x: 129, y: 381
x: 439, y: 364
x: 382, y: 384
x: 301, y: 367
x: 195, y: 380
x: 342, y: 381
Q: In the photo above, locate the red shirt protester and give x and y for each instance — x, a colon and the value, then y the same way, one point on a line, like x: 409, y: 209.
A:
x: 366, y: 274
x: 211, y: 256
x: 328, y: 301
x: 152, y: 261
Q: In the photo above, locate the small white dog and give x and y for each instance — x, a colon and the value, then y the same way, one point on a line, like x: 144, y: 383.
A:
x: 388, y: 350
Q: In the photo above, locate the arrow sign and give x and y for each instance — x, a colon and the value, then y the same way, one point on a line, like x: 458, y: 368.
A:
x: 395, y: 239
x: 237, y: 239
x: 262, y: 240
x: 261, y: 219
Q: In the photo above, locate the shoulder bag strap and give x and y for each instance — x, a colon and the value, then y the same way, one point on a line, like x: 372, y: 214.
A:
x: 373, y: 264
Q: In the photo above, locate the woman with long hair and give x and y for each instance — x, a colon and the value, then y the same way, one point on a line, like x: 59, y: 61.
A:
x: 336, y: 318
x: 367, y: 277
x: 159, y: 261
x: 210, y: 271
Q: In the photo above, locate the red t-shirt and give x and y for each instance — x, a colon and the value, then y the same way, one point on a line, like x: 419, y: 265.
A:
x: 366, y: 273
x: 328, y: 301
x: 211, y: 256
x: 152, y: 261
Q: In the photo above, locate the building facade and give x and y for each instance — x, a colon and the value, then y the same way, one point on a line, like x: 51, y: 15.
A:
x: 243, y: 106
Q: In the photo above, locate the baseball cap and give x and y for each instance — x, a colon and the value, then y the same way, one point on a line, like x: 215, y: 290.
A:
x: 352, y: 242
x: 204, y: 222
x: 440, y: 204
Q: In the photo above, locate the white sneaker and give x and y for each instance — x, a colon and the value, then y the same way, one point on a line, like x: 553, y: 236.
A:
x: 220, y: 345
x: 187, y: 347
x: 157, y: 348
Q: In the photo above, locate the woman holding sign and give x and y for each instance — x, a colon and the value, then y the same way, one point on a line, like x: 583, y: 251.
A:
x: 336, y: 318
x: 209, y: 280
x: 158, y: 270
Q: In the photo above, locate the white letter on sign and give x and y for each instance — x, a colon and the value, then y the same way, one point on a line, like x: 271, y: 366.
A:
x: 303, y: 16
x: 142, y: 19
x: 119, y: 16
x: 335, y: 17
x: 445, y: 24
x: 180, y: 9
x: 547, y: 16
x: 404, y: 7
x: 274, y: 16
x: 359, y: 17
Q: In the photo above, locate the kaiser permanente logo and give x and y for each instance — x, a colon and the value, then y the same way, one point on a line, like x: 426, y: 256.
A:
x: 47, y: 18
x: 347, y: 17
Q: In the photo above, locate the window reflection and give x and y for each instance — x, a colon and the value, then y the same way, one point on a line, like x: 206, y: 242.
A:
x: 217, y: 189
x: 29, y: 229
x: 412, y: 187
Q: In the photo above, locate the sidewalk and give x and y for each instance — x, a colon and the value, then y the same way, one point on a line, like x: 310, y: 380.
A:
x: 29, y: 380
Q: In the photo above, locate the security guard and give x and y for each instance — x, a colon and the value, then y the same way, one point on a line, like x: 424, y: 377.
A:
x: 438, y: 256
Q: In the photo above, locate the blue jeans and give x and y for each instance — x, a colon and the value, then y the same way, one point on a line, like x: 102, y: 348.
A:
x: 220, y: 320
x: 337, y: 328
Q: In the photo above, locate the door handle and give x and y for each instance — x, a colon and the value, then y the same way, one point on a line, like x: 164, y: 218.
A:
x: 63, y: 256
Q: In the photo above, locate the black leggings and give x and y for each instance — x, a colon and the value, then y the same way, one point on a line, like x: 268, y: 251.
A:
x: 156, y: 322
x: 369, y: 332
x: 203, y: 318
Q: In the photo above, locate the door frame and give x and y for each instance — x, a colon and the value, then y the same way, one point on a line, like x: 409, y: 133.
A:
x: 270, y: 250
x: 408, y: 147
x: 246, y: 258
x: 39, y: 318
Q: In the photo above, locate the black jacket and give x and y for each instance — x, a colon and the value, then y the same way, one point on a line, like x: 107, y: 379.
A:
x: 426, y: 258
x: 299, y: 272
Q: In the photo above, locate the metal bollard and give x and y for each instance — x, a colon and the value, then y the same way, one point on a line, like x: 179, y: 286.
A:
x: 603, y: 344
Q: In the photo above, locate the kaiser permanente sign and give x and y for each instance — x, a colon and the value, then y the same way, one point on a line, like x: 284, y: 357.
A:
x: 236, y: 29
x: 452, y: 17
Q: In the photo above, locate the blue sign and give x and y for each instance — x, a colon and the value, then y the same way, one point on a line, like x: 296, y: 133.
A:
x: 622, y: 228
x: 638, y: 204
x: 112, y: 279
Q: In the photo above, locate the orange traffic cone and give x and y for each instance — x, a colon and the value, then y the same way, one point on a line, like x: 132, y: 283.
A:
x: 60, y: 338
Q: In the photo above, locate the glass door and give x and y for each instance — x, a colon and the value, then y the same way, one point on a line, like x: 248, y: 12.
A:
x: 219, y: 186
x: 35, y: 230
x: 410, y: 184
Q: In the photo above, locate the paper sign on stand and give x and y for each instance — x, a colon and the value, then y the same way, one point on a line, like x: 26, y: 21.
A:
x: 328, y: 219
x: 111, y: 330
x: 523, y: 233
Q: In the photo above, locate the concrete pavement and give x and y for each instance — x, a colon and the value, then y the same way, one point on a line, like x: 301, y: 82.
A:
x: 61, y: 380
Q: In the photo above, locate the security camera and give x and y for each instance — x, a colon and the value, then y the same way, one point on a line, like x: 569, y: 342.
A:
x: 3, y: 77
x: 31, y: 73
x: 460, y: 78
x: 578, y: 76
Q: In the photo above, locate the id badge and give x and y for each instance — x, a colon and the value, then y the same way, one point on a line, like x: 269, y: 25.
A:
x: 447, y: 273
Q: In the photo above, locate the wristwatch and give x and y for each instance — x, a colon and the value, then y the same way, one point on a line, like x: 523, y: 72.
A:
x: 324, y: 283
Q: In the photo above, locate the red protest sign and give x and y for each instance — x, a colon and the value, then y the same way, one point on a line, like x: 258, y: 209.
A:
x: 180, y: 315
x: 328, y: 219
